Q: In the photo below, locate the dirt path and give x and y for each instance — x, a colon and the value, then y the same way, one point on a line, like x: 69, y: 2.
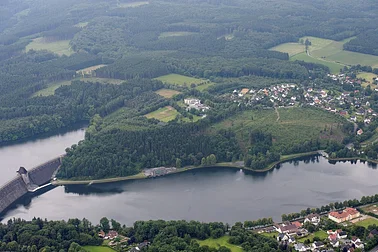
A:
x: 278, y: 114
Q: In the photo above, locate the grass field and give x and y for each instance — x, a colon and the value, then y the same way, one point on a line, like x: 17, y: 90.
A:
x: 327, y: 52
x: 82, y: 24
x: 175, y: 34
x: 367, y: 222
x: 98, y: 249
x: 50, y: 90
x: 102, y: 80
x: 90, y: 69
x: 181, y: 80
x: 132, y: 4
x: 296, y: 125
x: 61, y: 47
x: 321, y: 234
x: 217, y: 243
x: 367, y: 76
x: 167, y: 93
x: 272, y: 234
x: 165, y: 114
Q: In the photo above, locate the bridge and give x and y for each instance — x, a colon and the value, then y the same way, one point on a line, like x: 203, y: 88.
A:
x: 26, y: 182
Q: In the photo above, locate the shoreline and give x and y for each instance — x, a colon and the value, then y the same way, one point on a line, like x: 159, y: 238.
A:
x: 354, y: 159
x: 235, y: 165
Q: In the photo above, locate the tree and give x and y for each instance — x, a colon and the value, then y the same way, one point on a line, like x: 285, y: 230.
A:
x: 212, y: 159
x: 115, y: 225
x: 178, y: 163
x: 104, y: 223
x: 203, y: 161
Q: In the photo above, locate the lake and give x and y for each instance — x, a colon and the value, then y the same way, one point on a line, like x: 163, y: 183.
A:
x: 215, y: 194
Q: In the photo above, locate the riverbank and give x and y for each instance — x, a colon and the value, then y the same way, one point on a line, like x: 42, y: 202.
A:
x: 235, y: 165
x: 354, y: 159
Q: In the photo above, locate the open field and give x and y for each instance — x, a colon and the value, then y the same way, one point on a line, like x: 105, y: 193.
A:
x: 296, y: 125
x: 61, y: 47
x: 50, y: 90
x: 371, y: 209
x: 132, y: 4
x: 217, y: 243
x: 165, y: 114
x: 175, y: 34
x: 181, y: 80
x: 327, y: 52
x: 367, y: 222
x: 90, y: 69
x: 82, y: 24
x: 203, y: 87
x: 368, y: 77
x: 98, y: 249
x: 167, y: 93
x: 102, y: 80
x: 321, y: 234
x: 272, y: 234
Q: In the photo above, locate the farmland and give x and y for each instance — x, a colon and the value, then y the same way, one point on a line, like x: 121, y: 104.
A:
x: 165, y: 114
x: 217, y: 243
x: 167, y: 93
x: 327, y: 52
x: 181, y: 80
x: 296, y: 125
x: 60, y: 47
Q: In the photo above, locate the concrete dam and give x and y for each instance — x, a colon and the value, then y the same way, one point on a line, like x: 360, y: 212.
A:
x: 27, y: 182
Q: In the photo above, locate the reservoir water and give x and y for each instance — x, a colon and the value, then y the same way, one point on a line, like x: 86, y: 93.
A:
x: 216, y: 194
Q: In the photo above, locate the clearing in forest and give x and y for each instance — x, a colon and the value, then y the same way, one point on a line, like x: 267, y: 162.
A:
x: 178, y: 79
x: 167, y: 93
x: 217, y: 243
x: 89, y: 70
x: 132, y: 4
x: 102, y: 80
x: 295, y: 125
x: 50, y: 90
x: 175, y: 34
x: 81, y: 25
x: 98, y: 249
x: 327, y: 52
x: 60, y: 47
x: 165, y: 114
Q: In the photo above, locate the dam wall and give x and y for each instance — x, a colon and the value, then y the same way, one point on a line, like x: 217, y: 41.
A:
x: 27, y: 181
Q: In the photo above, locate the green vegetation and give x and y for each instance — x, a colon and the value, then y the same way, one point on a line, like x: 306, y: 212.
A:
x: 61, y: 47
x: 82, y: 24
x: 333, y: 67
x: 165, y: 114
x: 175, y: 34
x: 271, y: 235
x: 219, y: 242
x: 167, y: 93
x: 290, y: 48
x: 98, y: 249
x: 50, y: 90
x: 181, y: 80
x: 295, y: 126
x: 367, y: 222
x: 320, y: 234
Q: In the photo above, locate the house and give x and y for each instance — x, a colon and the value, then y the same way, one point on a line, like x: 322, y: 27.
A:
x: 332, y: 237
x: 286, y: 228
x: 297, y: 224
x: 359, y: 245
x: 355, y: 239
x: 140, y: 247
x: 112, y: 234
x: 335, y: 243
x: 353, y: 118
x: 360, y: 112
x: 318, y: 245
x: 343, y: 112
x: 373, y: 233
x: 282, y: 237
x: 367, y: 121
x: 101, y: 234
x: 301, y: 247
x: 313, y: 218
x: 344, y: 215
x: 360, y: 132
x: 342, y: 235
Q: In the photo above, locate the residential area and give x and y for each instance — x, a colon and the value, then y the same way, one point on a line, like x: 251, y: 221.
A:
x: 346, y: 230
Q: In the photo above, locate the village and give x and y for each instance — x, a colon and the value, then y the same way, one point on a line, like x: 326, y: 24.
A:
x: 310, y: 233
x: 354, y: 104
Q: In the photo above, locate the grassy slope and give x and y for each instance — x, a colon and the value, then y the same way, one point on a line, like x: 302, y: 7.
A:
x: 223, y: 241
x: 61, y: 47
x: 295, y: 125
x: 333, y: 67
x: 165, y: 114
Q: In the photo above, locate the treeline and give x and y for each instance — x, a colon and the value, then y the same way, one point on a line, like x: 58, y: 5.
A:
x: 42, y: 235
x: 365, y: 42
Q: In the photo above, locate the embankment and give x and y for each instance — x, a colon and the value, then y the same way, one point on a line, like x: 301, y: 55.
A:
x: 18, y: 187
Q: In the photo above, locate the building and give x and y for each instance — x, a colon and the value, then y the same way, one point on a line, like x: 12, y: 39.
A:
x: 344, y: 215
x: 286, y: 228
x: 313, y: 218
x: 360, y: 132
x: 301, y: 247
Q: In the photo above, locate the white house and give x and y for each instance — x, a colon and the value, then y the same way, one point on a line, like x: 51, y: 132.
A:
x: 318, y: 245
x: 342, y: 235
x: 301, y: 247
x: 313, y: 218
